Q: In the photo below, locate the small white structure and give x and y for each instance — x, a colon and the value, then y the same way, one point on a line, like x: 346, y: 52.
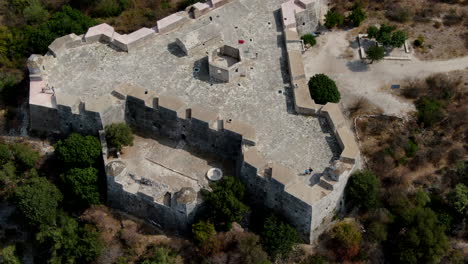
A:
x: 214, y: 174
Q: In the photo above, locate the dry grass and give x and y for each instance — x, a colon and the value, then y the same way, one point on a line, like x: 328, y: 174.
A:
x: 362, y: 106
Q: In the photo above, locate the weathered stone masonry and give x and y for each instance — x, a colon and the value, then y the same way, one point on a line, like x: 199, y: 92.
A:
x: 269, y: 183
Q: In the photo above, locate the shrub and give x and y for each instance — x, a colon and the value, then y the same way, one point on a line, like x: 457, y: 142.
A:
x: 458, y: 199
x: 456, y: 155
x: 162, y: 255
x: 25, y: 157
x: 346, y: 237
x: 250, y: 250
x: 385, y: 36
x: 9, y: 255
x: 375, y: 53
x: 398, y: 39
x: 78, y: 151
x: 119, y: 135
x: 309, y: 40
x: 5, y: 154
x: 323, y: 89
x: 377, y: 231
x: 315, y: 259
x: 398, y: 14
x: 333, y: 19
x: 203, y: 231
x: 429, y: 111
x: 109, y: 8
x: 278, y: 237
x: 37, y: 200
x: 83, y: 183
x: 35, y: 13
x: 357, y: 16
x: 419, y: 42
x: 363, y: 189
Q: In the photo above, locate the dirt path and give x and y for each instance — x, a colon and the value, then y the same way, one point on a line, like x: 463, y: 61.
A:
x: 337, y: 57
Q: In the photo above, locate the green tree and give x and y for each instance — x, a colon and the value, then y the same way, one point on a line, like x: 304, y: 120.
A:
x: 38, y: 200
x: 78, y: 150
x: 398, y: 38
x: 363, y: 189
x: 225, y: 201
x: 69, y: 243
x: 162, y: 255
x: 25, y: 157
x: 84, y: 184
x: 458, y: 199
x: 119, y: 135
x: 315, y: 259
x: 375, y: 53
x: 420, y: 238
x: 63, y: 22
x: 347, y: 239
x: 8, y: 255
x: 429, y: 111
x: 357, y: 16
x: 309, y: 39
x: 203, y: 231
x: 372, y: 32
x: 378, y: 231
x: 323, y: 89
x: 278, y: 237
x: 5, y: 154
x: 333, y: 19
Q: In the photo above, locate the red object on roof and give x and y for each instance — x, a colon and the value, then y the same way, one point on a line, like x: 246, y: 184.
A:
x: 241, y: 41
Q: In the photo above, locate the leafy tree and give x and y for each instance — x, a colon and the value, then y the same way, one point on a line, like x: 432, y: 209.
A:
x: 398, y: 38
x: 37, y: 200
x: 420, y: 237
x: 108, y: 8
x: 333, y: 19
x: 323, y: 89
x: 8, y: 255
x: 13, y: 48
x: 347, y: 239
x: 66, y: 21
x: 225, y: 201
x: 203, y: 231
x: 315, y: 259
x: 458, y: 199
x: 78, y: 150
x: 67, y: 242
x: 119, y: 135
x: 363, y: 189
x: 429, y: 111
x: 378, y: 231
x: 278, y: 237
x: 375, y: 53
x: 83, y: 184
x: 309, y: 39
x: 357, y: 16
x: 372, y: 32
x: 25, y: 157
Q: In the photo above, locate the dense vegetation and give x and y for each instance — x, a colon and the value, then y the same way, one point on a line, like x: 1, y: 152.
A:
x: 119, y: 135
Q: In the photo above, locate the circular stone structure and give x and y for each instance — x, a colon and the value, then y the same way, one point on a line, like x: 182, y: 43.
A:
x: 214, y: 174
x: 115, y: 168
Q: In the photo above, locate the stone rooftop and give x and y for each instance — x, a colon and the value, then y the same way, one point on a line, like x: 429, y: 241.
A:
x: 262, y: 98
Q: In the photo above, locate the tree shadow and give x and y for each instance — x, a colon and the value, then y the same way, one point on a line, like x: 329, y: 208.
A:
x: 357, y: 66
x: 175, y: 50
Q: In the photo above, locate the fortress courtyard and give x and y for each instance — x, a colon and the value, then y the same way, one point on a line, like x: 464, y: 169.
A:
x: 261, y: 98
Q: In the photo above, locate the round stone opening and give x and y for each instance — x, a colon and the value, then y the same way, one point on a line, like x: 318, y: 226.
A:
x: 214, y: 174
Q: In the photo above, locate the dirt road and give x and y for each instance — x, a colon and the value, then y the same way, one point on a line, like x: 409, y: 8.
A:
x: 355, y: 79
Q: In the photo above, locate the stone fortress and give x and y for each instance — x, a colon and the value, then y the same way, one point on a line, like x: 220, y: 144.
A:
x: 221, y: 84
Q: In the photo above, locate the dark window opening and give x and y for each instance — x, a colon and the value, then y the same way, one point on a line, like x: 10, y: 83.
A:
x: 211, y: 19
x: 183, y: 136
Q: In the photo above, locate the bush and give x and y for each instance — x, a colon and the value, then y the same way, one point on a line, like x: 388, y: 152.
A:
x: 203, y: 231
x: 278, y: 237
x: 162, y: 255
x: 357, y: 16
x: 78, y: 150
x: 398, y: 39
x: 38, y: 200
x: 9, y: 256
x: 250, y: 250
x: 25, y: 157
x: 333, y: 19
x: 385, y: 36
x: 5, y: 154
x: 35, y: 13
x: 109, y: 8
x: 377, y: 231
x: 458, y: 199
x: 363, y: 189
x: 309, y: 40
x: 83, y: 183
x: 119, y: 135
x: 315, y: 259
x: 398, y: 14
x: 429, y: 111
x: 225, y: 201
x: 419, y: 42
x: 323, y: 89
x: 346, y: 237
